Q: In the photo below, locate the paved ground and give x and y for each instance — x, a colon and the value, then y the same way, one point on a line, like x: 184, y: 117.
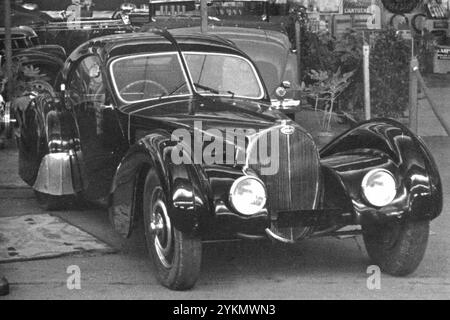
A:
x: 315, y: 269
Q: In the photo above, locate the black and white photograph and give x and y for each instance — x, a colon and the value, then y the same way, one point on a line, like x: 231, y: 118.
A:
x: 224, y: 156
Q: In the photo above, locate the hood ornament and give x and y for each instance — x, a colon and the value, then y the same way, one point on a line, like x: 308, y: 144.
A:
x: 286, y: 128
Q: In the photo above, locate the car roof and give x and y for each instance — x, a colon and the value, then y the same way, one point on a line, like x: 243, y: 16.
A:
x: 119, y: 45
x: 255, y: 34
x: 142, y: 42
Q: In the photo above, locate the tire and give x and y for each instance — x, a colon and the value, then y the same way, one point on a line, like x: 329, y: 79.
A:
x: 397, y: 248
x: 175, y: 254
x: 50, y: 202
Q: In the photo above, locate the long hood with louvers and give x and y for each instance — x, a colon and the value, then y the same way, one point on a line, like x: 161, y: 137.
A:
x: 295, y: 185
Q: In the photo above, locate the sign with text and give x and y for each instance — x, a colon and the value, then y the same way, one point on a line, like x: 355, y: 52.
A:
x: 368, y: 13
x: 357, y: 6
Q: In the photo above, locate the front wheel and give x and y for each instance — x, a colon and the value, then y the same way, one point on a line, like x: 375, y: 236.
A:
x: 176, y: 255
x: 397, y: 248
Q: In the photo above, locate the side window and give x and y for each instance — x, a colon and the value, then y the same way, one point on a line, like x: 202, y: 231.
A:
x: 86, y: 82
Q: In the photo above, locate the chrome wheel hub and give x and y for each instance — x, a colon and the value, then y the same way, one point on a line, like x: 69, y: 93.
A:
x: 161, y: 229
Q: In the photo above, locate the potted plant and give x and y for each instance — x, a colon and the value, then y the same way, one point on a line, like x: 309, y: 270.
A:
x: 325, y: 91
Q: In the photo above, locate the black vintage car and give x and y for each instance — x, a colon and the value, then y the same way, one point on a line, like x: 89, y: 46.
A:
x: 175, y: 132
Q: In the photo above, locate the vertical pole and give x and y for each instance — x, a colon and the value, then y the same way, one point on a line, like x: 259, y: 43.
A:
x: 413, y: 105
x: 367, y: 108
x: 8, y: 49
x: 150, y: 11
x: 298, y: 47
x: 204, y: 16
x: 267, y: 6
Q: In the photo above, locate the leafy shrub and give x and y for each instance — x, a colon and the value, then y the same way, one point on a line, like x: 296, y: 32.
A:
x: 389, y: 71
x: 389, y: 68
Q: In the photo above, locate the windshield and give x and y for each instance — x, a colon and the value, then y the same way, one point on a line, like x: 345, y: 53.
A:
x: 139, y: 78
x: 155, y: 76
x: 222, y: 74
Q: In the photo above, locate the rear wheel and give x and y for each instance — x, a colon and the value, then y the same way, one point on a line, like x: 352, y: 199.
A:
x: 397, y: 248
x: 176, y: 254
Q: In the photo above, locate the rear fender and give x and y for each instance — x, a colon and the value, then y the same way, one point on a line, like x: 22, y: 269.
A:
x: 48, y: 146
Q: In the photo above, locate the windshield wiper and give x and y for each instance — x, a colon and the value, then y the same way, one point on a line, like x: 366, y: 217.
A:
x: 215, y: 91
x: 173, y: 91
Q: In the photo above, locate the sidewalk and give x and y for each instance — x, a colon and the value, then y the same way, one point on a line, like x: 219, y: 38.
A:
x: 9, y: 178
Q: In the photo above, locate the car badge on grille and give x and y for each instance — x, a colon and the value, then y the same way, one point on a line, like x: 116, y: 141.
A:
x: 287, y: 130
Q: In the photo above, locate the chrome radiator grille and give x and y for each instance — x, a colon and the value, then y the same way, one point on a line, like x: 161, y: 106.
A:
x: 295, y: 185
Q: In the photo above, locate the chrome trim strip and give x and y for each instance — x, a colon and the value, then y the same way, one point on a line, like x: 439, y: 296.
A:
x: 289, y: 170
x: 55, y: 175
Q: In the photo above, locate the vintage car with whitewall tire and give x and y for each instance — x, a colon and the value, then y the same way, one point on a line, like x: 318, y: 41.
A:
x: 121, y: 133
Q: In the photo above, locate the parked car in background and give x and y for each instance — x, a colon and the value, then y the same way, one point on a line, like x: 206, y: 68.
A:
x: 59, y: 31
x: 270, y: 49
x: 25, y: 39
x: 71, y: 34
x: 25, y: 14
x: 178, y: 132
x: 26, y: 46
x: 248, y: 25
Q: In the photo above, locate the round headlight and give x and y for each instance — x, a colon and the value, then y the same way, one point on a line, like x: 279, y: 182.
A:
x: 248, y: 195
x: 379, y: 187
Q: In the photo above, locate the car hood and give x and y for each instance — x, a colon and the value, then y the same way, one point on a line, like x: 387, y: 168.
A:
x: 219, y: 118
x: 210, y: 113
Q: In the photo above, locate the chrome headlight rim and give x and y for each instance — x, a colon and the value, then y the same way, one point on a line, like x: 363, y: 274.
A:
x: 236, y: 184
x: 365, y: 180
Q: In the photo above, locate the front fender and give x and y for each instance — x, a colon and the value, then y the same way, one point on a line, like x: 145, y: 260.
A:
x: 180, y: 182
x: 384, y: 143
